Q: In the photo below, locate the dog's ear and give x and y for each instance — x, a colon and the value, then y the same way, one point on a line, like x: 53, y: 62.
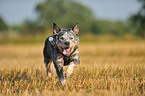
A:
x: 76, y: 29
x: 56, y: 29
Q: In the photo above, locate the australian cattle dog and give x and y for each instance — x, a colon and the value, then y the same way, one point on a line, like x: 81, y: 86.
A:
x: 62, y: 48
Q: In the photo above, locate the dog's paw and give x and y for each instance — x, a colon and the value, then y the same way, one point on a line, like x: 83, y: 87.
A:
x: 63, y: 82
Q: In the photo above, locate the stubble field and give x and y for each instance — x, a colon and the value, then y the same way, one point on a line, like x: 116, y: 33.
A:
x: 108, y: 68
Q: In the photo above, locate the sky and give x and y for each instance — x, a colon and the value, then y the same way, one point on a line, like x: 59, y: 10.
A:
x: 113, y: 9
x: 16, y: 11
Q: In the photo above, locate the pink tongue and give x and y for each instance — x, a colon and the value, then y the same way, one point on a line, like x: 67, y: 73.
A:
x: 66, y: 51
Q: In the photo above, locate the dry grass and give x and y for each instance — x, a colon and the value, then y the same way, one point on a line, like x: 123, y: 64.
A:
x: 114, y: 69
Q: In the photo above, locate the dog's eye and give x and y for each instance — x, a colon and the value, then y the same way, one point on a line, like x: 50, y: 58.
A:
x: 61, y: 38
x: 71, y: 38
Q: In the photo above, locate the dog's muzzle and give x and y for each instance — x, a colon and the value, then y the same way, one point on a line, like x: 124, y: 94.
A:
x: 66, y: 49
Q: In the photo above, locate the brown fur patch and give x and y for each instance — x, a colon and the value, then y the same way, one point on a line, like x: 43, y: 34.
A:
x: 59, y: 46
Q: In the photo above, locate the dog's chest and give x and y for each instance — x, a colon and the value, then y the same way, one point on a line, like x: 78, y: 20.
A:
x: 67, y: 60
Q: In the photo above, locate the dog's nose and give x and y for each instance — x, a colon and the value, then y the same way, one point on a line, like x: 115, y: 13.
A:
x: 67, y: 43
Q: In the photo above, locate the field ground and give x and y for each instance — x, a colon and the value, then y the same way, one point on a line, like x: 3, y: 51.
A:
x: 114, y: 69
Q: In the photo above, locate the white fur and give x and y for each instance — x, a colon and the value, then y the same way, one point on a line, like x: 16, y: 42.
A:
x: 76, y: 57
x: 77, y: 52
x: 50, y: 39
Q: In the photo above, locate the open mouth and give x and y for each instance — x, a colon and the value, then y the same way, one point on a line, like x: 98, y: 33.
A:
x: 66, y: 51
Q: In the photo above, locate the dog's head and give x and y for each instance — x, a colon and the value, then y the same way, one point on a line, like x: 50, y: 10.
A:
x: 66, y: 39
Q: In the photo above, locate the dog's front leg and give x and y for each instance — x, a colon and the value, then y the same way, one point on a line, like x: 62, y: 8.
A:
x: 73, y: 64
x: 58, y: 63
x: 70, y: 69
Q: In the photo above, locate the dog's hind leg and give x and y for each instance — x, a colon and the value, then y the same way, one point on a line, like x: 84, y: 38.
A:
x: 48, y: 69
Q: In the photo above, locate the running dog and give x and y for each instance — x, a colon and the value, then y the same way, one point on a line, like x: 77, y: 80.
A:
x: 62, y: 48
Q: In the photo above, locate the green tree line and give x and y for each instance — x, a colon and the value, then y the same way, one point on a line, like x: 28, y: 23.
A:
x: 138, y: 20
x: 67, y: 12
x: 3, y: 25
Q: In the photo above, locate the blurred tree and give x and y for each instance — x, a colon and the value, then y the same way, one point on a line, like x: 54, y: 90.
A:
x: 31, y: 27
x: 138, y: 20
x: 66, y: 13
x: 3, y: 25
x: 116, y: 28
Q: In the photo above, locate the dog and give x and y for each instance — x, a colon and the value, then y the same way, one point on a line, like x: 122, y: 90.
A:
x: 62, y: 48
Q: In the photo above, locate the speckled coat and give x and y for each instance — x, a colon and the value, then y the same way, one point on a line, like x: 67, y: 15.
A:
x: 62, y: 48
